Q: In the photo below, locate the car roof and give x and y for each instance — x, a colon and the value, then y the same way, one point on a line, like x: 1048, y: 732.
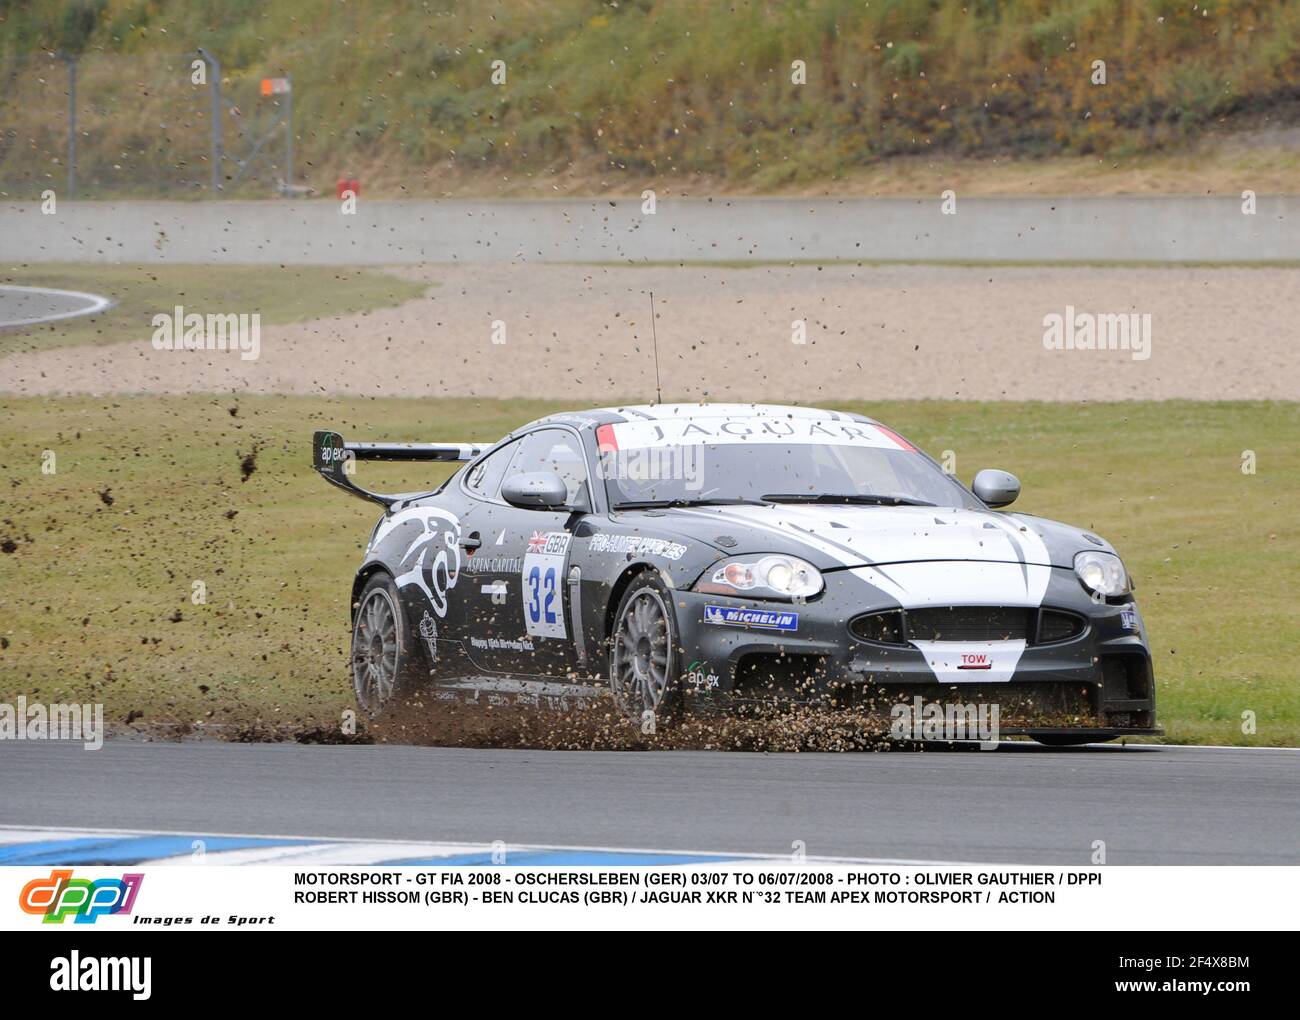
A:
x: 594, y: 417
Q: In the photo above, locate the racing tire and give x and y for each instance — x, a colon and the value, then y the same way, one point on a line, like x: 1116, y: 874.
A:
x: 385, y: 661
x: 644, y: 658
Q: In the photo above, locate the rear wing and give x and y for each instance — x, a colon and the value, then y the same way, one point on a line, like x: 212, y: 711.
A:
x: 336, y: 459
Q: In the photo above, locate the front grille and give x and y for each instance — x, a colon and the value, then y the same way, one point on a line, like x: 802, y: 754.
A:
x: 880, y: 628
x: 1055, y: 625
x: 970, y: 623
x: 899, y: 627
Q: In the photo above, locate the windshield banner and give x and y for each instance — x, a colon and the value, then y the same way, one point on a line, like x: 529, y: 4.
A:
x: 696, y: 431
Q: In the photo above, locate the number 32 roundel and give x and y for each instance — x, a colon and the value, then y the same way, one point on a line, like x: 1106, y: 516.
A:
x: 543, y: 577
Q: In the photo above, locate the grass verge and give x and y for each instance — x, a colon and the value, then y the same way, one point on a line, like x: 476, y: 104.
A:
x: 279, y: 294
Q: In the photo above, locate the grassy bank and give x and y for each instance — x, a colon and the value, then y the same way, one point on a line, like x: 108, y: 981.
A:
x: 278, y: 293
x: 679, y: 94
x: 151, y: 495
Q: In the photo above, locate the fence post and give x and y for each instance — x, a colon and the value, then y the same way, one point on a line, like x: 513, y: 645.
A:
x: 72, y: 124
x: 214, y: 89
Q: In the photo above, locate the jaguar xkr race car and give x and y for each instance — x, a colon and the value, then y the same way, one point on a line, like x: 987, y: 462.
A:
x: 724, y: 557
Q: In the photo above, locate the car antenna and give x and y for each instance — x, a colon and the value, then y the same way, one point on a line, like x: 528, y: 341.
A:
x: 654, y: 336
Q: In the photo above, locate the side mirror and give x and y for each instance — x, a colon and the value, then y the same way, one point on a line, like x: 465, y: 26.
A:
x: 996, y: 488
x: 536, y: 490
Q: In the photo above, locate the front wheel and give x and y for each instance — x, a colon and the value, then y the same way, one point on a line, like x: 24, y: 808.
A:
x: 643, y: 663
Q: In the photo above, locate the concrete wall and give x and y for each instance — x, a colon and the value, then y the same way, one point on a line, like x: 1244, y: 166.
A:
x: 600, y: 230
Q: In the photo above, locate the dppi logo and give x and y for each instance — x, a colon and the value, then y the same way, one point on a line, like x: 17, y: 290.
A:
x: 60, y: 895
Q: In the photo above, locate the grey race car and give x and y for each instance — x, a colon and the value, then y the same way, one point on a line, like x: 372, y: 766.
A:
x: 708, y: 556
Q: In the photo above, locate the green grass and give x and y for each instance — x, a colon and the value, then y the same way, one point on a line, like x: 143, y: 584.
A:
x: 279, y: 293
x: 89, y: 589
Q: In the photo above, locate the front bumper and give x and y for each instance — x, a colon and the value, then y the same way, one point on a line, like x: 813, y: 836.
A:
x: 1099, y: 682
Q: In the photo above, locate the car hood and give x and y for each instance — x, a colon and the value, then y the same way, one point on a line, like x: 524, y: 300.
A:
x: 834, y: 536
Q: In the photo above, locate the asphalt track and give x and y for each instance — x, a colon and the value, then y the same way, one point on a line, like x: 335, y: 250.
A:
x: 29, y: 306
x: 1016, y: 804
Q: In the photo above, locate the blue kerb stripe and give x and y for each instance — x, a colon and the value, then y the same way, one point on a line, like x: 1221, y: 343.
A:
x: 124, y: 850
x: 566, y: 858
x: 113, y: 850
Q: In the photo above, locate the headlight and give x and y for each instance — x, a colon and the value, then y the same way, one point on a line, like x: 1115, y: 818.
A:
x: 784, y: 577
x: 1101, y: 572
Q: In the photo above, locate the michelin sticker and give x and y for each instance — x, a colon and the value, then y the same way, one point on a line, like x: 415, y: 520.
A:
x: 767, y: 619
x: 543, y: 576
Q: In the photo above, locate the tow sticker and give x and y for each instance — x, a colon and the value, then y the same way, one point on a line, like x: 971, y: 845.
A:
x: 983, y: 662
x: 543, y: 576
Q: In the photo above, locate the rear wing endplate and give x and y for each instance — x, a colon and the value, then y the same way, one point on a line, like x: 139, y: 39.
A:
x: 336, y: 459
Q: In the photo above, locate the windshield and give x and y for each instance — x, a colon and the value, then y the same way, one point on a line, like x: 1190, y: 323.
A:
x: 694, y: 461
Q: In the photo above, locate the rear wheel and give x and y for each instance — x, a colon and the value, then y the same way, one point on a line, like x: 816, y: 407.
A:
x: 385, y: 663
x: 644, y: 660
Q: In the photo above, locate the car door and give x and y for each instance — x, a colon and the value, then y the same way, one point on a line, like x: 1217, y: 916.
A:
x: 529, y: 631
x: 486, y: 577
